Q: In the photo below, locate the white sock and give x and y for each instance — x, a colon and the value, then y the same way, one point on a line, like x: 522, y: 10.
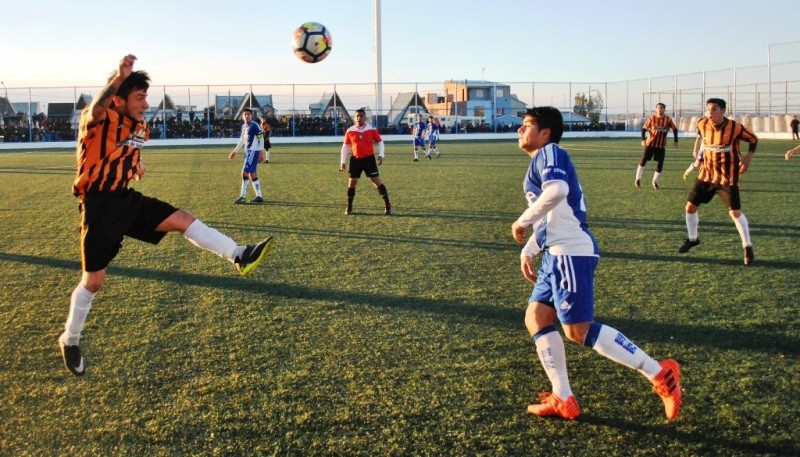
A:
x: 79, y: 306
x: 550, y: 348
x: 416, y: 156
x: 744, y: 229
x: 657, y: 177
x: 257, y: 187
x: 245, y: 182
x: 692, y: 221
x: 639, y: 172
x: 268, y: 153
x: 613, y: 345
x: 212, y: 240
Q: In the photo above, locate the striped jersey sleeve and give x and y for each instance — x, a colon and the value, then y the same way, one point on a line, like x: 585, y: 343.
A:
x: 107, y: 152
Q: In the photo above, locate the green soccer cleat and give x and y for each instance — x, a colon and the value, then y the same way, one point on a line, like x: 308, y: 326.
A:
x: 253, y: 256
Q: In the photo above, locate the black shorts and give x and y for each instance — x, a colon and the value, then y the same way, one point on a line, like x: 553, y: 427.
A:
x: 651, y: 153
x: 107, y: 217
x: 366, y: 164
x: 703, y: 192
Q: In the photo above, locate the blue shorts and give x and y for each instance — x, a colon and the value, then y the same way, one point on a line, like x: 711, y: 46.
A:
x: 419, y: 141
x: 250, y: 161
x: 567, y: 283
x: 432, y: 141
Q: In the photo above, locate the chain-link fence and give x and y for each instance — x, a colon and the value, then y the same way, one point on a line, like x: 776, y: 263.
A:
x: 764, y: 98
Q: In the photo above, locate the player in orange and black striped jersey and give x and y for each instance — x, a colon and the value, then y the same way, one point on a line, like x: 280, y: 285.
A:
x: 655, y: 145
x: 112, y: 133
x: 719, y: 173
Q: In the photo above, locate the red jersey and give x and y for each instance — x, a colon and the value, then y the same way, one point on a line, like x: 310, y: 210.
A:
x: 721, y: 154
x: 362, y: 139
x: 108, y: 152
x: 658, y: 128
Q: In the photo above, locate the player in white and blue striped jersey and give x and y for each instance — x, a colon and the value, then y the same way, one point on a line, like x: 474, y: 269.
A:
x: 564, y: 283
x: 418, y: 130
x: 252, y: 139
x: 432, y: 136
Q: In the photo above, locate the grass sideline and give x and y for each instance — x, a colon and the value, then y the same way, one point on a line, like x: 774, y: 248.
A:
x: 401, y: 335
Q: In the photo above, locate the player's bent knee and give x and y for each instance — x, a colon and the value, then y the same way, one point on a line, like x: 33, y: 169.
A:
x: 538, y: 316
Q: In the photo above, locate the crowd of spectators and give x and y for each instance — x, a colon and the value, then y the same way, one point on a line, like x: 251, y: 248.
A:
x: 19, y: 129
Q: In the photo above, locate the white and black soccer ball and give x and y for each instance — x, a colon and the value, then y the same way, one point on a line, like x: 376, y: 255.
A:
x: 311, y: 42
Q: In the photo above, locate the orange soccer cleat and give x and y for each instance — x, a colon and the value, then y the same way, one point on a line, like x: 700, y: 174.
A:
x: 551, y: 405
x: 668, y: 386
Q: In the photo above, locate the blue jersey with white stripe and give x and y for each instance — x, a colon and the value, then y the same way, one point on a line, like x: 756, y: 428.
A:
x: 433, y: 131
x: 566, y: 231
x: 419, y: 129
x: 254, y: 136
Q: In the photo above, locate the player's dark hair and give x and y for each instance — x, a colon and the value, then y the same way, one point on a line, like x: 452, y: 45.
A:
x: 548, y: 117
x: 247, y: 110
x: 661, y: 104
x: 138, y: 80
x: 717, y: 101
x: 361, y: 110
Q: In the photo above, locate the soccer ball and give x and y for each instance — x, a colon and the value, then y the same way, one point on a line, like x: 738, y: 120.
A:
x: 311, y: 42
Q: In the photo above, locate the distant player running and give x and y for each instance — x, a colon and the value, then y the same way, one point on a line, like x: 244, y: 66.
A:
x: 432, y: 136
x: 564, y: 283
x: 655, y: 144
x: 418, y: 134
x: 111, y: 133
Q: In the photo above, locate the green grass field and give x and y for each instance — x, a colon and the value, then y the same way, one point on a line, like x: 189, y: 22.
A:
x: 403, y: 335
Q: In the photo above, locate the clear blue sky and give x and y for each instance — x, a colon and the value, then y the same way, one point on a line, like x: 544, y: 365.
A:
x: 79, y: 42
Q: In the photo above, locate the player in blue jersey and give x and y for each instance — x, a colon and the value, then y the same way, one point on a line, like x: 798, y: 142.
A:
x: 564, y: 283
x: 252, y: 139
x: 432, y: 135
x: 418, y: 132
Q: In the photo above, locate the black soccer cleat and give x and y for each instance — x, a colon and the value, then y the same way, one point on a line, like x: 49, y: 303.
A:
x: 688, y: 244
x: 348, y: 211
x: 72, y: 358
x: 252, y: 256
x: 638, y: 183
x: 388, y: 211
x: 749, y: 257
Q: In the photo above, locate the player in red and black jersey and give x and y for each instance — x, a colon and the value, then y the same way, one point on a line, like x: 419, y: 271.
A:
x: 719, y: 173
x: 359, y: 142
x: 655, y: 145
x: 112, y: 133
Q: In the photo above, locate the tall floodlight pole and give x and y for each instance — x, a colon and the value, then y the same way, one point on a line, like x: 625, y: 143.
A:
x: 376, y: 51
x: 769, y: 80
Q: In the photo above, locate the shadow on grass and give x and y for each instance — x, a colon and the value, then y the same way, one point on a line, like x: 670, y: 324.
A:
x: 761, y: 340
x: 693, y: 258
x: 679, y: 226
x: 409, y: 211
x: 715, y: 445
x: 40, y: 170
